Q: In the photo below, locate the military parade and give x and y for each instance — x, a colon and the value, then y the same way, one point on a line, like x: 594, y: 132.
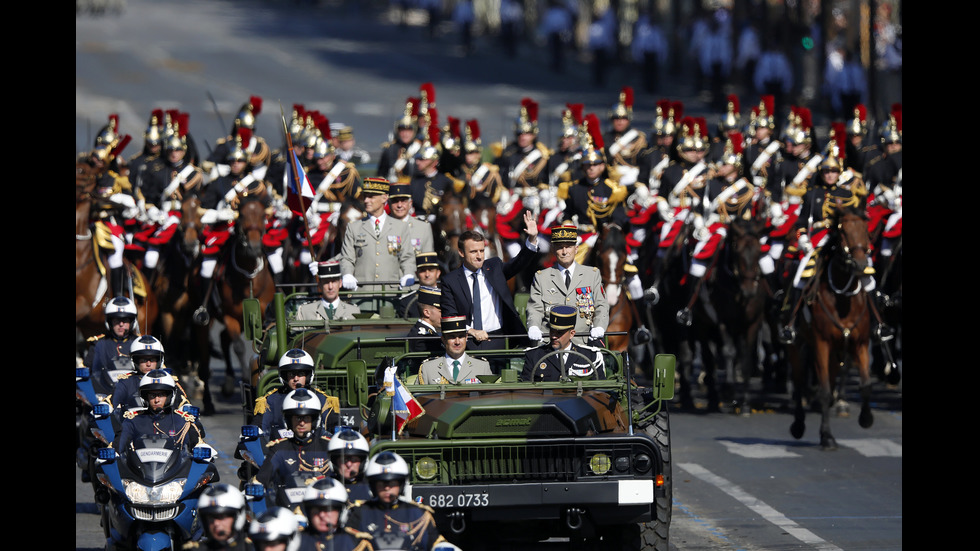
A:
x: 421, y: 333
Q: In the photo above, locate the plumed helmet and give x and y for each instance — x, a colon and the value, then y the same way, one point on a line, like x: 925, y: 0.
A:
x: 732, y: 119
x: 147, y: 346
x: 323, y: 146
x: 858, y: 125
x: 109, y: 134
x: 222, y: 499
x: 247, y: 113
x: 386, y: 465
x: 891, y: 133
x: 153, y: 135
x: 527, y: 118
x: 693, y: 134
x: 297, y: 359
x: 734, y: 146
x: 297, y: 123
x: 430, y: 148
x: 277, y: 524
x: 623, y: 109
x: 301, y: 402
x: 452, y: 137
x: 410, y: 116
x: 801, y: 131
x: 326, y: 492
x: 158, y: 380
x: 175, y: 131
x: 471, y: 140
x: 120, y: 307
x: 238, y: 150
x: 571, y: 120
x: 593, y: 144
x: 764, y: 112
x: 836, y: 148
x: 348, y: 441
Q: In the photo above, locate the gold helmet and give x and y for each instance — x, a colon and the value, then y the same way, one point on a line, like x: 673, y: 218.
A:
x: 668, y: 115
x: 693, y: 134
x: 451, y: 136
x: 471, y: 141
x: 411, y: 115
x: 592, y: 144
x: 175, y: 134
x: 800, y: 131
x: 892, y: 131
x: 527, y: 120
x: 858, y: 125
x: 247, y: 113
x: 732, y: 118
x: 734, y: 146
x: 154, y: 129
x: 109, y: 134
x: 623, y: 109
x: 764, y: 113
x: 297, y: 124
x: 430, y: 145
x: 323, y: 146
x: 239, y: 149
x: 836, y: 146
x: 571, y: 120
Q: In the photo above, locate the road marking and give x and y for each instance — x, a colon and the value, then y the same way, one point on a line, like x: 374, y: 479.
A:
x: 873, y: 447
x: 758, y: 451
x: 761, y: 508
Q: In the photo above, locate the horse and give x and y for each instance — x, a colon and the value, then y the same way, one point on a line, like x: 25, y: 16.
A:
x: 609, y: 255
x: 92, y: 290
x: 838, y: 331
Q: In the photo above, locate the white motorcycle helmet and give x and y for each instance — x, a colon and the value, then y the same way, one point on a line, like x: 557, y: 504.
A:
x: 326, y: 492
x: 158, y: 379
x: 297, y: 360
x: 276, y: 525
x: 222, y: 499
x: 121, y: 307
x: 146, y: 346
x: 386, y: 465
x: 346, y: 442
x: 301, y: 402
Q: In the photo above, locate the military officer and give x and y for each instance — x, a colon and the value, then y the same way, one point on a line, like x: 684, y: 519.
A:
x: 428, y: 184
x: 568, y: 283
x: 419, y: 230
x: 429, y: 322
x: 376, y: 247
x: 561, y: 320
x: 523, y: 162
x: 259, y: 153
x: 456, y: 366
x: 397, y: 160
x: 329, y: 307
x: 626, y: 147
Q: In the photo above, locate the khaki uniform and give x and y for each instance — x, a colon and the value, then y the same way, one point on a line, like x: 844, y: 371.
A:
x: 372, y: 258
x: 440, y: 370
x: 420, y: 234
x: 586, y: 295
x: 318, y: 311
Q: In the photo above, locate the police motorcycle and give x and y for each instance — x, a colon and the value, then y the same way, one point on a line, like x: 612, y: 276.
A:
x: 93, y: 421
x: 148, y: 491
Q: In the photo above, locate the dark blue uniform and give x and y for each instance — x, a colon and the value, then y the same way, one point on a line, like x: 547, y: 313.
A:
x: 268, y: 413
x: 179, y: 426
x: 289, y: 455
x: 405, y: 521
x: 108, y: 353
x: 550, y: 370
x: 344, y: 539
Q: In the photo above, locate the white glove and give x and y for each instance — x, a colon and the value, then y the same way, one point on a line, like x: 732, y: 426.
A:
x: 225, y: 214
x: 408, y: 280
x: 803, y: 243
x: 635, y: 287
x: 702, y: 233
x: 153, y: 214
x: 123, y: 200
x: 314, y: 268
x: 349, y: 282
x: 597, y: 332
x: 534, y: 333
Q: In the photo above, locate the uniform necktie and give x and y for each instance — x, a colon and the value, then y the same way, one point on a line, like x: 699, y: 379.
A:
x: 455, y: 370
x: 330, y: 311
x: 377, y: 227
x: 477, y: 311
x: 568, y: 279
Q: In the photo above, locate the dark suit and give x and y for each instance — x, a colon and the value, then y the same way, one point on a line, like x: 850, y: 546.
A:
x: 550, y: 370
x: 457, y: 292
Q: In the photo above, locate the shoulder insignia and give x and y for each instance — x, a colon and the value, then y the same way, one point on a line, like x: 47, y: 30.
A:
x: 130, y: 413
x: 125, y: 376
x: 563, y: 190
x: 272, y: 443
x: 96, y: 337
x: 630, y: 268
x: 261, y: 405
x: 186, y: 415
x: 332, y: 403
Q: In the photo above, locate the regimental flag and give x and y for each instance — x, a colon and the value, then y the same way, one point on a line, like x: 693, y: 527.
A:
x: 403, y: 404
x: 297, y: 174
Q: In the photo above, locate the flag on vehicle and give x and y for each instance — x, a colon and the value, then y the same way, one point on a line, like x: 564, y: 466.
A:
x: 403, y: 404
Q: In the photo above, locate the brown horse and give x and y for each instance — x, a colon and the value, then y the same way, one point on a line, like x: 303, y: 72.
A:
x: 244, y: 273
x: 92, y: 290
x: 609, y: 255
x: 838, y: 332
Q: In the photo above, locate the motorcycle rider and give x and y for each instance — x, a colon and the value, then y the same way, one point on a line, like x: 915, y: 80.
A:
x: 390, y: 518
x: 221, y: 509
x: 275, y: 530
x: 296, y: 370
x: 305, y: 451
x: 348, y: 452
x: 323, y: 504
x: 111, y: 350
x: 159, y: 390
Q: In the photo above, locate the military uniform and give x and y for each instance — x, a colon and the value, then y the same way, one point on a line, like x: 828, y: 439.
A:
x: 268, y: 412
x: 343, y: 539
x: 287, y: 456
x: 525, y: 168
x: 428, y: 189
x: 108, y: 354
x: 419, y: 229
x: 239, y: 542
x: 403, y: 524
x: 440, y: 370
x: 320, y: 310
x: 626, y: 150
x: 178, y: 425
x: 372, y: 257
x: 537, y: 368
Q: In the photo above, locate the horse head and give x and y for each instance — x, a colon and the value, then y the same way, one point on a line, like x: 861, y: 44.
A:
x: 744, y: 250
x: 251, y: 225
x: 610, y: 258
x: 191, y: 213
x: 850, y: 241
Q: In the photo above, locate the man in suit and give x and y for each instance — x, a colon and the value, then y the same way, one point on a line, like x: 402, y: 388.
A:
x: 377, y: 247
x: 456, y: 366
x: 329, y: 307
x: 568, y: 283
x: 494, y: 313
x: 561, y: 319
x: 429, y: 322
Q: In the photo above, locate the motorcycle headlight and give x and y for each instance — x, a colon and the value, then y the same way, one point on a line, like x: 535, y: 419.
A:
x: 154, y: 495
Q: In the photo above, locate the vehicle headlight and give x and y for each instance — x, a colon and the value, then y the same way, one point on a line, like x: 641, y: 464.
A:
x: 153, y: 495
x: 623, y: 463
x: 600, y: 463
x: 427, y: 468
x: 642, y: 463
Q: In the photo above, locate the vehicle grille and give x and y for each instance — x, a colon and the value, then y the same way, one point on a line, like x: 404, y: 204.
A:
x: 152, y: 514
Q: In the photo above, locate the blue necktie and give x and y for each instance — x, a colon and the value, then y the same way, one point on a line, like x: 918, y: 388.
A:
x: 477, y: 311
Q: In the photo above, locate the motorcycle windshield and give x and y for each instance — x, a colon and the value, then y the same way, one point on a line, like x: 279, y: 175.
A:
x: 155, y: 460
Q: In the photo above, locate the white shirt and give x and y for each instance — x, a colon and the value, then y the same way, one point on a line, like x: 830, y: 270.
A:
x: 489, y: 301
x: 570, y: 270
x: 449, y: 363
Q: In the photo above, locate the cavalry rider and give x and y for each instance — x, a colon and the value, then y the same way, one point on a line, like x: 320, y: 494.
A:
x: 152, y: 148
x: 258, y: 152
x: 561, y: 323
x: 223, y: 514
x: 787, y: 183
x: 397, y: 160
x: 429, y: 182
x: 347, y: 148
x: 305, y: 451
x: 626, y: 147
x: 563, y: 164
x: 323, y: 504
x: 682, y: 186
x: 296, y: 370
x: 522, y: 163
x: 883, y: 175
x: 729, y: 122
x: 114, y: 207
x: 763, y: 150
x: 158, y: 389
x: 642, y: 204
x: 165, y: 182
x: 833, y: 187
x: 728, y: 195
x: 335, y: 181
x: 393, y: 520
x: 481, y: 178
x: 860, y: 150
x: 568, y: 283
x: 220, y: 200
x: 348, y: 454
x: 110, y: 351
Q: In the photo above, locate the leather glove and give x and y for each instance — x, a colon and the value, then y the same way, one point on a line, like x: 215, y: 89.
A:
x: 534, y: 333
x: 349, y: 282
x: 597, y: 332
x: 408, y: 280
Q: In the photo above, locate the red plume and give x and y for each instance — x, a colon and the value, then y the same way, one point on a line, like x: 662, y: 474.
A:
x: 532, y: 111
x: 769, y: 102
x: 474, y: 127
x: 433, y: 133
x: 862, y: 112
x: 245, y: 134
x: 183, y: 123
x: 733, y: 99
x: 323, y: 125
x: 627, y: 92
x: 433, y: 115
x: 595, y: 131
x: 453, y: 127
x: 840, y: 136
x: 897, y: 113
x: 158, y: 115
x: 114, y: 121
x: 430, y: 93
x: 122, y: 145
x: 678, y: 107
x: 576, y: 110
x: 256, y: 103
x: 806, y: 121
x: 738, y: 141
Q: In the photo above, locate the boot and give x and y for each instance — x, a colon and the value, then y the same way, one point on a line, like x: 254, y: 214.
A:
x: 117, y: 278
x: 787, y: 316
x: 201, y: 315
x: 684, y: 316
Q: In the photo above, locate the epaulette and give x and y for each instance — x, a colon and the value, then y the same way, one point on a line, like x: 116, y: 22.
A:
x: 331, y: 402
x: 125, y: 376
x: 221, y: 141
x: 272, y: 443
x: 186, y: 415
x: 131, y: 413
x: 630, y: 268
x: 563, y: 190
x: 421, y: 219
x: 192, y: 545
x: 386, y: 145
x: 357, y: 533
x: 545, y: 152
x: 458, y: 184
x: 96, y: 337
x: 619, y: 191
x: 263, y: 402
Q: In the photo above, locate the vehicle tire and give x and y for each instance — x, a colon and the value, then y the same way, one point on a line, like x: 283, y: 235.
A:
x: 655, y: 535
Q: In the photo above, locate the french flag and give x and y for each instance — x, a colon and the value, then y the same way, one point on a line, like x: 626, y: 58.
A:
x: 298, y: 175
x: 403, y: 404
